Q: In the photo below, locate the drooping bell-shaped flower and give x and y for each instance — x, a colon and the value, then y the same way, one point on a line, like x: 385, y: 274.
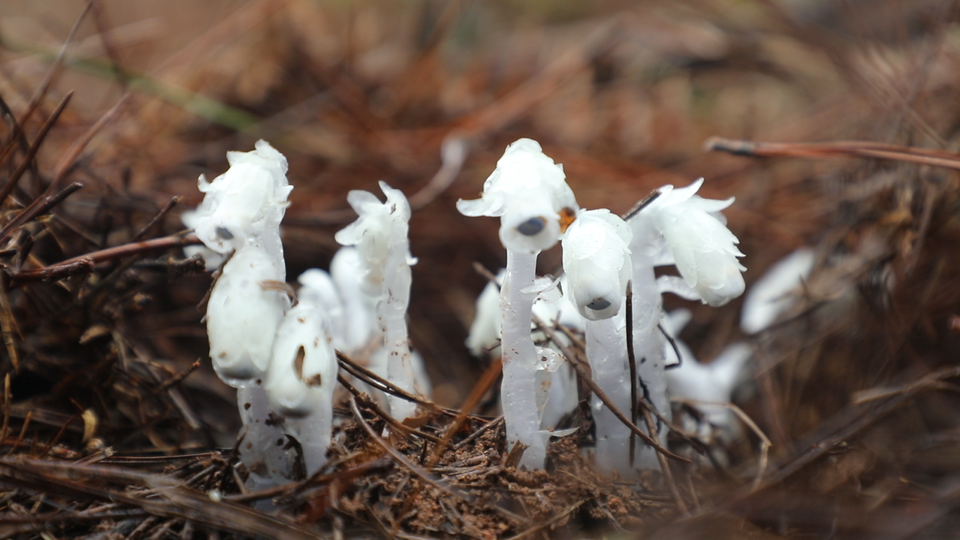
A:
x: 244, y: 205
x: 596, y: 259
x: 704, y: 250
x: 529, y: 194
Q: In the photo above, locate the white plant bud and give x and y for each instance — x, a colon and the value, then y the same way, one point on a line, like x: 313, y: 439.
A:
x: 703, y: 249
x: 596, y: 259
x: 244, y: 205
x: 527, y: 191
x: 243, y: 312
x: 303, y: 369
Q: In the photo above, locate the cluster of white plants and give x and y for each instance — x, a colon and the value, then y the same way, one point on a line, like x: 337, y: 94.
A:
x: 602, y: 254
x: 280, y: 352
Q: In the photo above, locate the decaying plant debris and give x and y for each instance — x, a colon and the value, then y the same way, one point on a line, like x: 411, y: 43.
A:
x: 842, y: 120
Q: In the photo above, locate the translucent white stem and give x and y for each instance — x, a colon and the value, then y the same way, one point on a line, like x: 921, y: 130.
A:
x: 519, y: 388
x: 262, y: 449
x: 648, y: 341
x: 392, y: 311
x: 313, y: 433
x: 607, y: 351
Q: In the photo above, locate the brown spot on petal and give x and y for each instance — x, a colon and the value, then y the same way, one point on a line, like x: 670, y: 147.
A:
x: 298, y: 362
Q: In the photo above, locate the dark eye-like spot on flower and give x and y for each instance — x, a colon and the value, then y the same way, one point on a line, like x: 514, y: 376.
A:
x: 532, y: 226
x: 224, y: 233
x: 598, y: 304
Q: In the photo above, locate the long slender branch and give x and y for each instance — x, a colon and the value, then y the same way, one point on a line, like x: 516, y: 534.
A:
x: 71, y: 266
x: 863, y: 149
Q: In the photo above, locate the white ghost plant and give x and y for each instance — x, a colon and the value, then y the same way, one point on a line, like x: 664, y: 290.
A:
x: 380, y: 236
x: 240, y: 218
x: 529, y: 194
x: 596, y: 260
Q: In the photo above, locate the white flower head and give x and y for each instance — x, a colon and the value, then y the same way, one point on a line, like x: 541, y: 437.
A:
x: 596, y: 259
x: 303, y: 368
x: 704, y: 250
x: 243, y: 313
x: 244, y: 205
x: 379, y: 225
x: 529, y: 194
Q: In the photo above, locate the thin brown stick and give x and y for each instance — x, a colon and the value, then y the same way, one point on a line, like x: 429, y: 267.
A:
x: 664, y: 464
x: 632, y: 362
x: 54, y: 70
x: 67, y: 161
x: 7, y: 188
x: 108, y: 254
x: 384, y: 385
x: 479, y: 432
x: 861, y: 149
x: 163, y: 212
x: 383, y: 414
x: 36, y: 208
x: 7, y: 398
x: 178, y: 378
x: 17, y: 136
x: 8, y: 325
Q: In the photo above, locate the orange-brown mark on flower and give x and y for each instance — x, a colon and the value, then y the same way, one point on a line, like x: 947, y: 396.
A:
x: 567, y: 216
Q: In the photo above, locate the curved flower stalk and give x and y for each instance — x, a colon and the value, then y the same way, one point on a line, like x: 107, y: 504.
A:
x: 301, y: 380
x: 380, y: 235
x: 596, y: 259
x: 527, y: 191
x: 245, y: 205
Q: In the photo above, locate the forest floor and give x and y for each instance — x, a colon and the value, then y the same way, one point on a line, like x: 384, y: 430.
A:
x: 835, y: 124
